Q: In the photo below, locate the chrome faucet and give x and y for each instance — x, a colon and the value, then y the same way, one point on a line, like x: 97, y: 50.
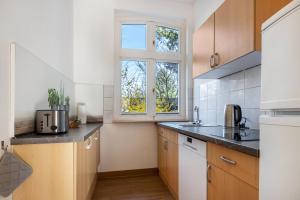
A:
x: 197, y: 121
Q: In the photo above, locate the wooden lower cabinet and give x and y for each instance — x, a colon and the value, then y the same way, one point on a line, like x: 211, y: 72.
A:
x: 224, y: 186
x: 162, y: 158
x: 168, y: 159
x: 53, y: 172
x: 231, y: 175
x: 172, y: 167
x: 61, y: 171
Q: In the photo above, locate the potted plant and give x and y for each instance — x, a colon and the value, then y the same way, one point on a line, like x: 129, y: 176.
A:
x: 53, y: 99
x: 67, y: 103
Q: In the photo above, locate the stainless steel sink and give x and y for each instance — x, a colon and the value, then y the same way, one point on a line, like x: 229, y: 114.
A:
x: 193, y: 124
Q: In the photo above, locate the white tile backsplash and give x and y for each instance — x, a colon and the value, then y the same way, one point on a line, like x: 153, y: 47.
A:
x: 203, y: 103
x: 108, y: 91
x: 224, y: 84
x: 253, y: 77
x: 202, y: 116
x: 212, y: 88
x: 222, y: 100
x: 252, y: 98
x: 211, y: 117
x: 212, y: 102
x: 203, y: 90
x: 242, y: 88
x: 252, y: 116
x: 237, y: 81
x: 107, y: 104
x: 237, y: 97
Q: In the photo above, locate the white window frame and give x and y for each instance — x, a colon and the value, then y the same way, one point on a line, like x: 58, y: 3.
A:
x: 151, y: 56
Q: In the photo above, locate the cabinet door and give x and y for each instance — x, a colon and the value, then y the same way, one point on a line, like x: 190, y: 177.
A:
x: 264, y: 10
x: 224, y: 186
x: 215, y: 183
x: 89, y: 163
x: 203, y: 47
x: 234, y: 30
x: 97, y: 138
x: 235, y: 189
x: 81, y: 188
x: 172, y: 168
x: 53, y: 174
x: 162, y: 157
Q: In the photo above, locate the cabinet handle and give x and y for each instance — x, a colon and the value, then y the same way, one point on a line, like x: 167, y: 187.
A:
x: 216, y: 59
x: 190, y: 147
x: 211, y: 61
x: 227, y: 160
x: 208, y: 170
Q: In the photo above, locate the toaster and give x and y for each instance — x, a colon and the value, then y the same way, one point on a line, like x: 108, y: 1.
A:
x: 52, y: 121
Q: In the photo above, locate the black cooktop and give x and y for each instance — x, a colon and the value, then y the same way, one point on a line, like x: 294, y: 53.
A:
x: 238, y: 134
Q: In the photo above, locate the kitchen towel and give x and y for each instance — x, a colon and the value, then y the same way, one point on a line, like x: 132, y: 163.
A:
x: 13, y: 172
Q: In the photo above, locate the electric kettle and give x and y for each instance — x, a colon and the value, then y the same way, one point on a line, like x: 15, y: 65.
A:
x: 232, y: 115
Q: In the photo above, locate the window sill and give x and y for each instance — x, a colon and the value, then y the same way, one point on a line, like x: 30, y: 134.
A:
x: 136, y: 120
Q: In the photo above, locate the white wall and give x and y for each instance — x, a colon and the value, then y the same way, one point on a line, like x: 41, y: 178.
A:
x: 33, y: 78
x: 94, y: 64
x: 203, y: 9
x: 45, y: 28
x: 242, y: 88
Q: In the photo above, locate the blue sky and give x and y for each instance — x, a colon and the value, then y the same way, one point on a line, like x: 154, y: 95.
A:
x: 134, y: 36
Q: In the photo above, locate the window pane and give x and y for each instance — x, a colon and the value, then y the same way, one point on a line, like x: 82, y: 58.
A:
x: 133, y: 86
x: 166, y: 39
x: 167, y: 87
x: 134, y: 36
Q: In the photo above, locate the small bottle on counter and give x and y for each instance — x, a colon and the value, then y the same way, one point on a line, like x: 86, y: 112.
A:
x: 81, y: 112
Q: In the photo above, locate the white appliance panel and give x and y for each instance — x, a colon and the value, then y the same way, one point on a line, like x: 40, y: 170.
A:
x: 281, y: 60
x: 279, y: 158
x: 192, y: 169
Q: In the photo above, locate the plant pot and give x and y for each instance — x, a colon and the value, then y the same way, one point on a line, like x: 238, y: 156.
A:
x: 61, y: 107
x: 54, y: 107
x: 67, y: 107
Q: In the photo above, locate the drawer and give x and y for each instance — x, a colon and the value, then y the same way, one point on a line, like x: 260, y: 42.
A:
x: 240, y: 165
x: 172, y: 136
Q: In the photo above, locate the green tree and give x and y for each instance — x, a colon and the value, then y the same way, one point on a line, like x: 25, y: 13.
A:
x: 133, y: 77
x: 167, y: 87
x: 133, y: 86
x: 167, y: 39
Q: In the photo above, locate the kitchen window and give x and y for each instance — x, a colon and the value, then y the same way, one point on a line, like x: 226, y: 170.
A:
x: 150, y: 69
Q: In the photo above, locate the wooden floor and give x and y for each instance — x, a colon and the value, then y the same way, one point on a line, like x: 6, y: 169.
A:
x: 134, y: 188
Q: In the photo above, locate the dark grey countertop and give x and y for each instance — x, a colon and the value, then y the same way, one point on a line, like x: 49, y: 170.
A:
x: 208, y: 134
x: 74, y: 135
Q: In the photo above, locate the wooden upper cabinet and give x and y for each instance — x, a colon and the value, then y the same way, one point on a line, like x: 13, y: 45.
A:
x: 264, y: 10
x: 234, y: 30
x: 203, y: 47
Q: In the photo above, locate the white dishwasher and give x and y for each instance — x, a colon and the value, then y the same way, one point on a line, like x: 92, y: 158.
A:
x: 192, y: 169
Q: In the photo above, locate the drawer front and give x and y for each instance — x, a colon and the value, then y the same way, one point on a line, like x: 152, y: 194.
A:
x: 240, y: 165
